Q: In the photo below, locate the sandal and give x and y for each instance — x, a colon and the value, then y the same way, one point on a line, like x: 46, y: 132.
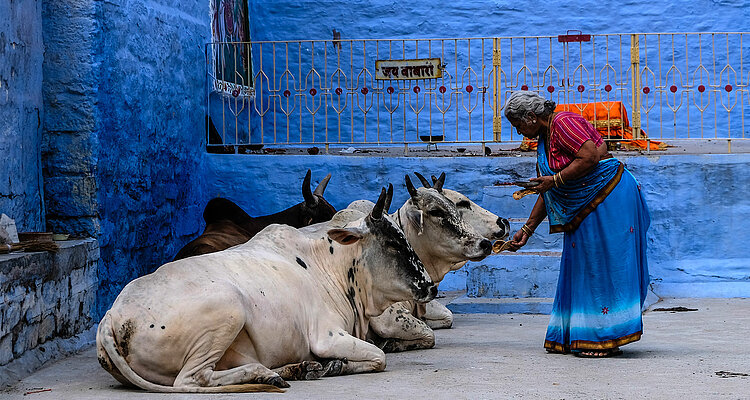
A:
x: 599, y: 354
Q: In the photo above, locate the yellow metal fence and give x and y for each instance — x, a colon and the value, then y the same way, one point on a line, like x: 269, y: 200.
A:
x: 673, y: 86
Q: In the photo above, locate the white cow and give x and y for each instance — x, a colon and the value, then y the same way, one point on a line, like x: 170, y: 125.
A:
x: 440, y: 243
x: 264, y: 311
x: 485, y: 223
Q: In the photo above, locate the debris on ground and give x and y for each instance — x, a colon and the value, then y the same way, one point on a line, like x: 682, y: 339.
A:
x: 37, y: 390
x: 728, y: 374
x: 675, y: 309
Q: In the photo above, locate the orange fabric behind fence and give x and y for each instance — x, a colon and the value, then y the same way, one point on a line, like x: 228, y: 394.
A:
x: 609, y: 118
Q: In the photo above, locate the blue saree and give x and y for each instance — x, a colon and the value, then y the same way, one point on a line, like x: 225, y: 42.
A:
x: 604, y: 277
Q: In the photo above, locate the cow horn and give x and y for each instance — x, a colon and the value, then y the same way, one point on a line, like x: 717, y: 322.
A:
x: 322, y: 186
x: 434, y: 179
x: 410, y: 187
x: 388, y: 198
x: 424, y: 181
x: 306, y: 193
x: 377, y: 211
x: 439, y: 184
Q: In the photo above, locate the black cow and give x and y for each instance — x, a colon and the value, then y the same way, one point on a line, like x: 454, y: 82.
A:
x: 228, y: 225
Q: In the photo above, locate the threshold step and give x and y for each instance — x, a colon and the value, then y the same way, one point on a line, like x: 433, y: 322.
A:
x: 485, y: 305
x: 522, y: 274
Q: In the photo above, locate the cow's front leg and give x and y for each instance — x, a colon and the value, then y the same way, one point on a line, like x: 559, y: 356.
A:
x: 437, y: 316
x: 402, y: 331
x: 347, y: 354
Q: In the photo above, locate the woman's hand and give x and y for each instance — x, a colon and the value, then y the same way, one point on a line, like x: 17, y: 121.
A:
x: 545, y: 183
x: 519, y: 240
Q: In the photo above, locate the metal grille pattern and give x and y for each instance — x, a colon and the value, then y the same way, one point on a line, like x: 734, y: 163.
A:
x: 673, y: 86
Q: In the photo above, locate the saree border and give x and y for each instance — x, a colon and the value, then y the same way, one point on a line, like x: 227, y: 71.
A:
x: 589, y: 208
x: 555, y: 347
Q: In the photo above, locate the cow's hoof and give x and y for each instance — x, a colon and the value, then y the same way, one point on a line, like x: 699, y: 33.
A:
x: 312, y: 370
x: 278, y: 382
x: 334, y: 368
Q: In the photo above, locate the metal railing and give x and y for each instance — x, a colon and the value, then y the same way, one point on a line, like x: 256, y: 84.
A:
x: 674, y: 86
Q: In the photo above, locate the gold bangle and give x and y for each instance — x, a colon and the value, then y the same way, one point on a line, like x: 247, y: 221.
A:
x: 525, y: 228
x: 554, y: 179
x: 559, y: 175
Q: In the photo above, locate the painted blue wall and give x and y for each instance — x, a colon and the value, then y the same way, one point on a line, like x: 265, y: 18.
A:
x: 150, y: 144
x: 124, y: 82
x: 698, y: 204
x: 21, y: 113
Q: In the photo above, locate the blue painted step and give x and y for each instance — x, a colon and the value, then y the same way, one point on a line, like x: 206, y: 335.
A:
x: 528, y: 305
x: 499, y: 200
x: 520, y: 274
x: 541, y: 240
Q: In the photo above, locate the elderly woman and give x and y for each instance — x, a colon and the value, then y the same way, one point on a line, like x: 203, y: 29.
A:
x: 597, y: 203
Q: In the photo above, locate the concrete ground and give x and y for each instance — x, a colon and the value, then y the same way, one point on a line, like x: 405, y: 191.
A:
x: 701, y: 354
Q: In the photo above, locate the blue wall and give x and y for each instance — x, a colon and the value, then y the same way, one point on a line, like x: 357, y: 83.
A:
x: 21, y: 113
x: 151, y: 144
x: 698, y: 204
x: 124, y: 83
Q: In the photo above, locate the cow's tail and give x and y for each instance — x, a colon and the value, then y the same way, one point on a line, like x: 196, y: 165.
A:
x: 105, y: 338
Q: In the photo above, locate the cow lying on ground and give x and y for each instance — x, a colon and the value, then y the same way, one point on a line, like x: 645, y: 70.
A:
x: 228, y: 225
x: 439, y: 243
x: 266, y: 310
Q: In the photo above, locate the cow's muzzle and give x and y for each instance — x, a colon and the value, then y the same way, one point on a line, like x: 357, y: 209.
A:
x: 426, y: 294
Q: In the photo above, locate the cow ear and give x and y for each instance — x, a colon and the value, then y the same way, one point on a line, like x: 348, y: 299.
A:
x: 416, y: 220
x: 345, y: 236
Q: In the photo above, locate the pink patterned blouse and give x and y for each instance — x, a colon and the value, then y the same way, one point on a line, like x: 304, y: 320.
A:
x: 569, y: 132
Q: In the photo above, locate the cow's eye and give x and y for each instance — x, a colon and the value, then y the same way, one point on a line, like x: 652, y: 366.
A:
x: 436, y: 213
x: 463, y: 204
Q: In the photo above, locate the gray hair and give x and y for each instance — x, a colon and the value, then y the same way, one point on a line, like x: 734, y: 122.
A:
x: 522, y: 102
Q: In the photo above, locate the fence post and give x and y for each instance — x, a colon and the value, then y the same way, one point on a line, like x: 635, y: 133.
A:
x: 635, y: 81
x: 496, y: 115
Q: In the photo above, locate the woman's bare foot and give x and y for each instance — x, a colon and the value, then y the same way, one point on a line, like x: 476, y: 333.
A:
x: 600, y: 353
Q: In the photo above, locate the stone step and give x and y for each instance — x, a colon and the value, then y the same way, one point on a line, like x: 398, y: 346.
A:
x: 520, y: 274
x: 499, y: 199
x: 483, y: 305
x: 541, y: 240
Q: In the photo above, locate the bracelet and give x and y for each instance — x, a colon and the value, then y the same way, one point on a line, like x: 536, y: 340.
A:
x: 525, y: 228
x: 557, y: 178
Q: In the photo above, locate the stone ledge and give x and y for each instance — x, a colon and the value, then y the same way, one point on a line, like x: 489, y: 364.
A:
x: 23, y: 269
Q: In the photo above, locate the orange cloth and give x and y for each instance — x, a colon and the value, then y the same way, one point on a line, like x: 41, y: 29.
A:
x: 611, y: 121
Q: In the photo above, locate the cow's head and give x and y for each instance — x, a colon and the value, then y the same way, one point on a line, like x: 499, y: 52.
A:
x: 315, y: 208
x: 438, y: 223
x: 483, y: 221
x: 396, y: 272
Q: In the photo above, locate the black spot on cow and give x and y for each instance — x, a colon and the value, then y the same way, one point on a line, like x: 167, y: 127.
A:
x: 330, y: 241
x: 351, y: 293
x: 354, y: 262
x: 151, y: 326
x: 330, y: 249
x: 330, y: 333
x: 350, y: 274
x: 341, y: 334
x: 301, y: 263
x: 163, y: 327
x: 124, y: 335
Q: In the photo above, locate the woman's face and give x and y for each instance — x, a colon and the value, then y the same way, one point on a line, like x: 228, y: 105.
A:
x: 531, y: 129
